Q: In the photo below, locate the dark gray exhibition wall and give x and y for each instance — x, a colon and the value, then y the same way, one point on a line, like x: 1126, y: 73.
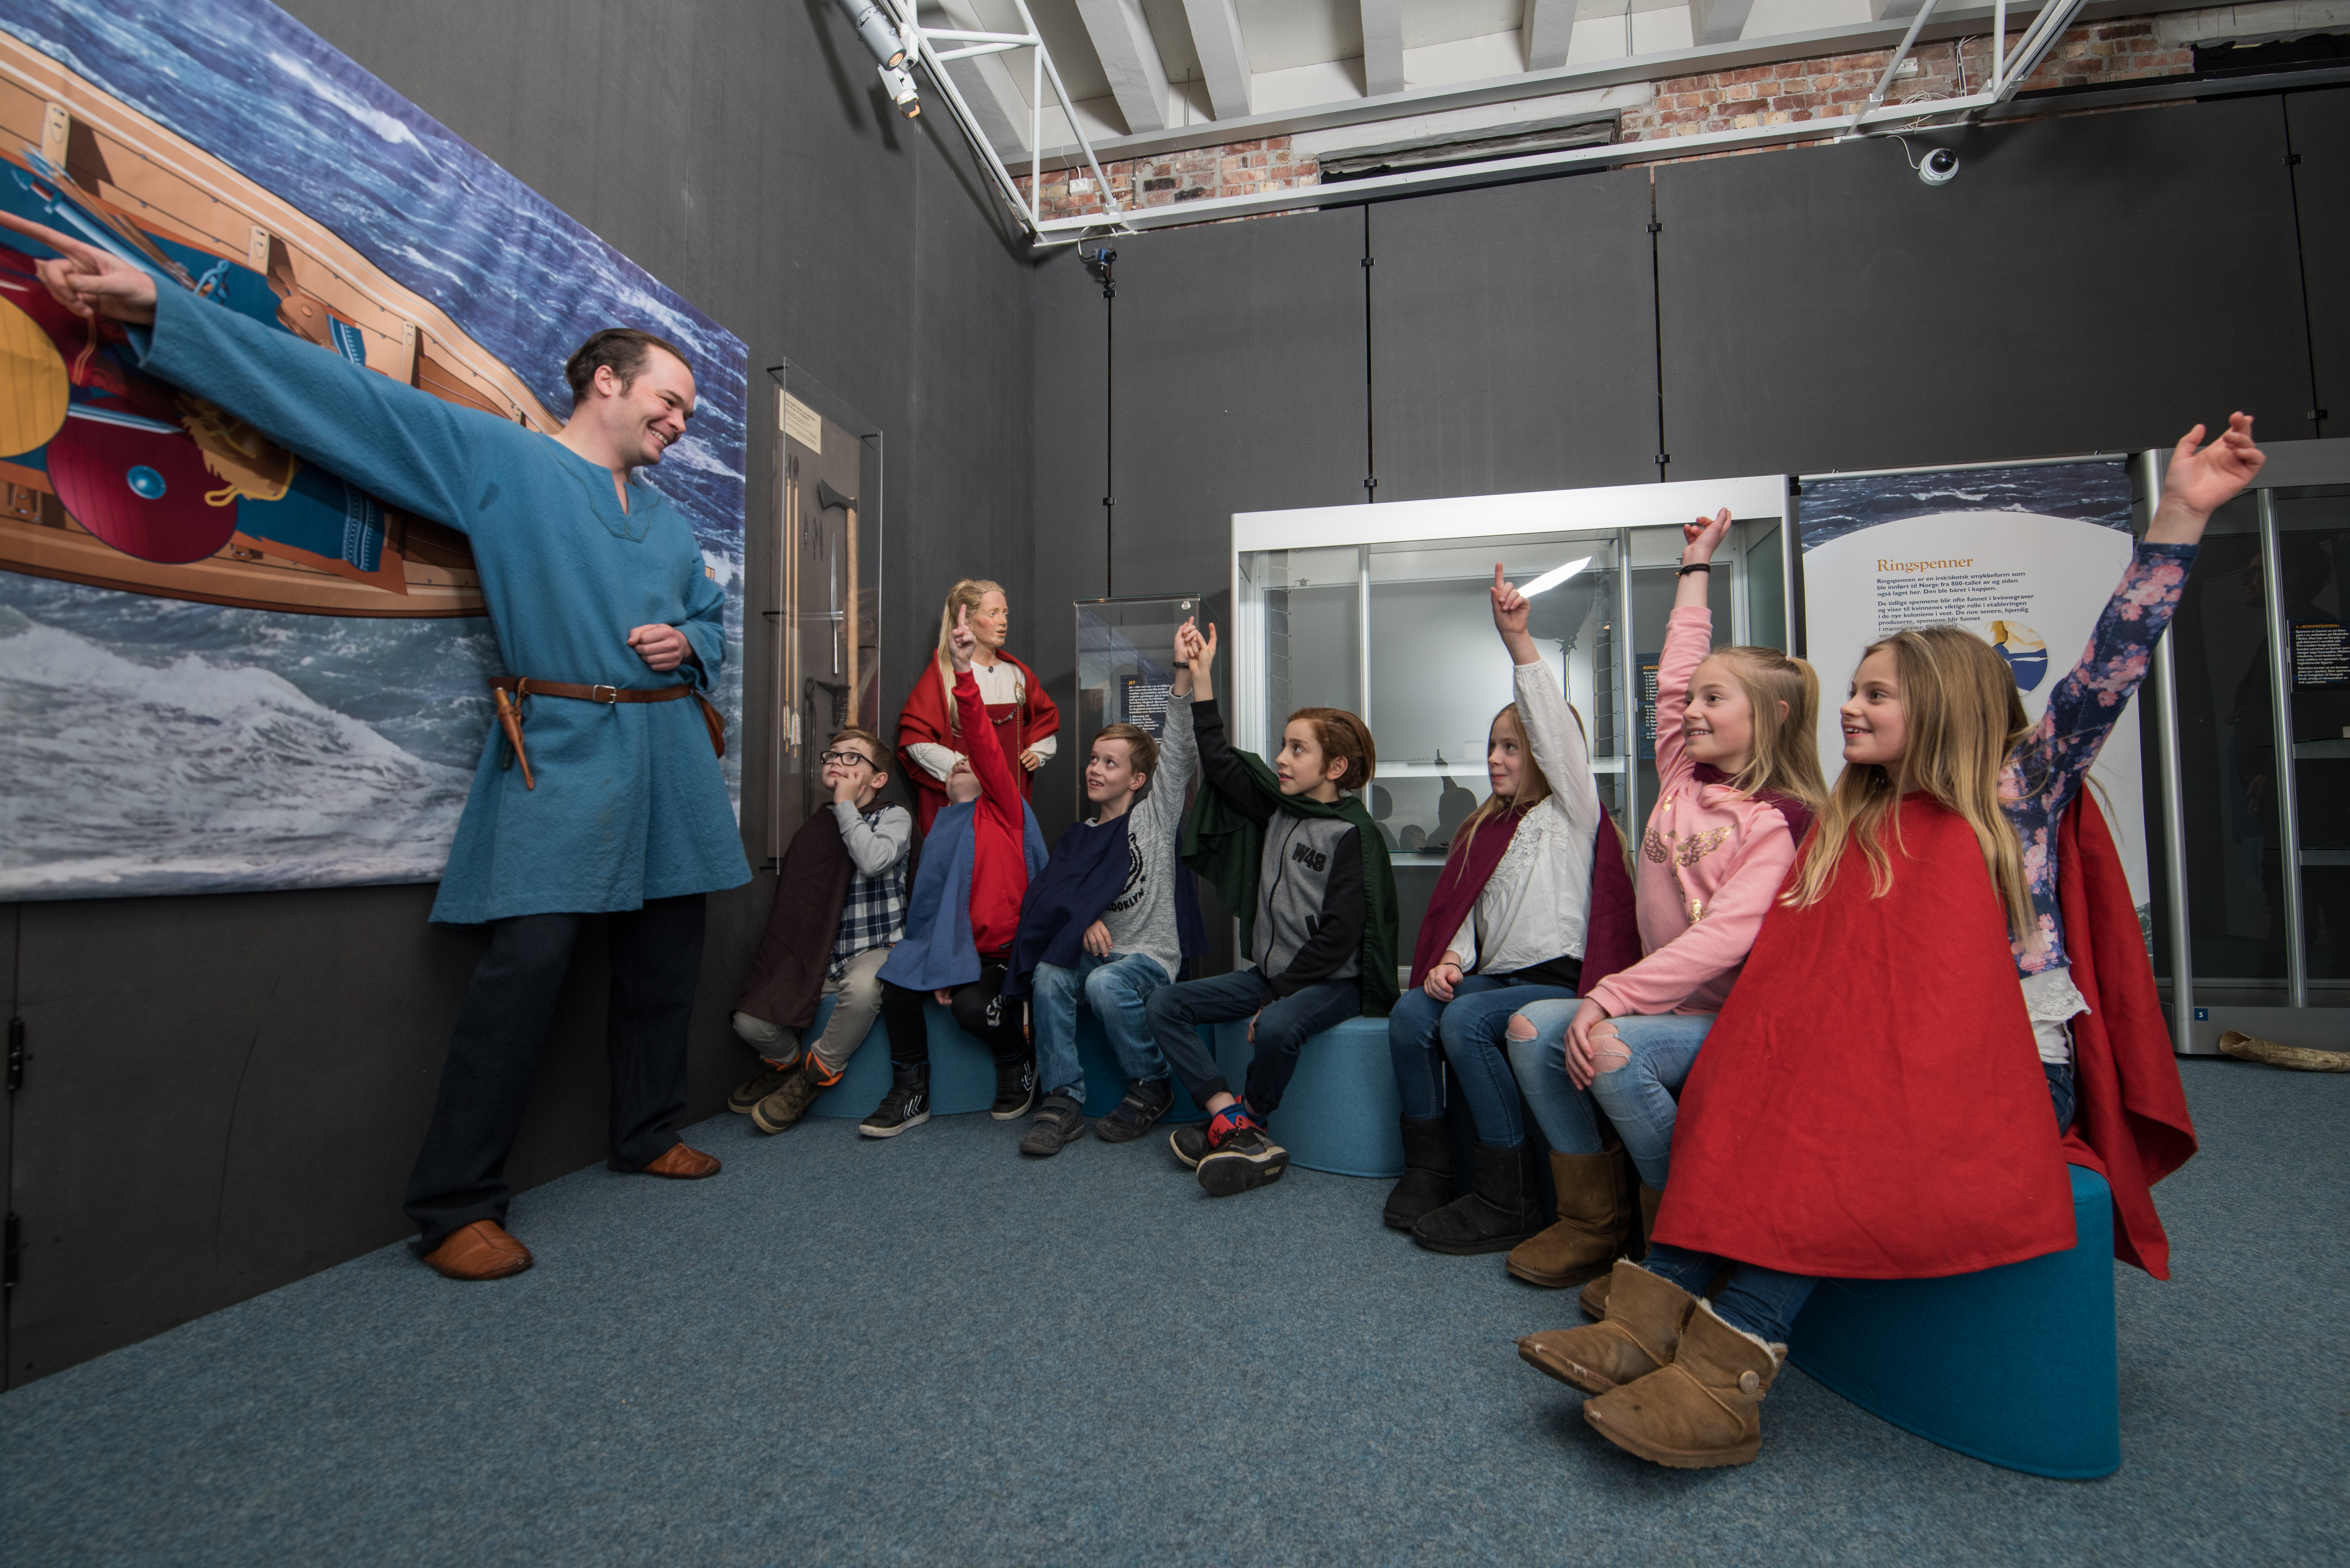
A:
x: 226, y: 1092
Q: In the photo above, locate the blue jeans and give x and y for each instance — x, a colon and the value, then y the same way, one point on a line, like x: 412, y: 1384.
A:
x: 1764, y: 1302
x: 1284, y: 1026
x: 1469, y: 1029
x: 1116, y: 989
x: 1640, y: 1097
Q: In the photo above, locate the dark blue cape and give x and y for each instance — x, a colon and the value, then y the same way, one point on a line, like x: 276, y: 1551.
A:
x: 1083, y: 878
x: 938, y: 952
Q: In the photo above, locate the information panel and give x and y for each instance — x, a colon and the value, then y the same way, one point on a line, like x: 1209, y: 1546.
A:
x: 2026, y: 557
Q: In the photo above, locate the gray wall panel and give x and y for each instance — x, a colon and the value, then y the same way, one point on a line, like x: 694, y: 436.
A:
x: 1514, y: 338
x: 2096, y: 281
x: 1071, y: 447
x: 2319, y: 124
x: 234, y: 1087
x: 1239, y: 386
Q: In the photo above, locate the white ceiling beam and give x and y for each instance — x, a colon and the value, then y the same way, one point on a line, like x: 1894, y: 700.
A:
x: 1549, y: 28
x: 1383, y: 46
x: 1223, y: 56
x: 1724, y: 21
x: 986, y: 81
x: 1130, y: 58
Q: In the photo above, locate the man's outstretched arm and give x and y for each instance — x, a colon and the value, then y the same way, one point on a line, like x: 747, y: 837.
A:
x: 404, y: 446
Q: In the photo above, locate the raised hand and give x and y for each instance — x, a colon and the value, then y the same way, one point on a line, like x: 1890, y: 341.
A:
x: 88, y: 281
x: 1510, y: 607
x: 1200, y: 652
x: 1701, y: 538
x: 1184, y: 637
x: 961, y: 642
x: 2207, y: 479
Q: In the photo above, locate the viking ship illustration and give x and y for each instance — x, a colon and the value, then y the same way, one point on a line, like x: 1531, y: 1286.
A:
x: 110, y: 477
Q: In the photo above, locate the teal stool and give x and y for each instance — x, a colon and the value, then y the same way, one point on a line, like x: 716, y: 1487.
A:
x: 962, y: 1074
x: 2015, y: 1366
x: 1341, y: 1114
x: 1105, y: 1079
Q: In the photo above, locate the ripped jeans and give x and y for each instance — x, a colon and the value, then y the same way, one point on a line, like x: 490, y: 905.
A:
x: 1638, y: 1097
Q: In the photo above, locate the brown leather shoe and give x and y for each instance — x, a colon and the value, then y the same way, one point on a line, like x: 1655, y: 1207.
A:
x: 482, y: 1250
x: 683, y: 1164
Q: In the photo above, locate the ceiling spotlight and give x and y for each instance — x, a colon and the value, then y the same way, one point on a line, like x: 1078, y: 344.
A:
x: 873, y: 26
x: 1554, y: 577
x: 901, y: 88
x: 1939, y: 166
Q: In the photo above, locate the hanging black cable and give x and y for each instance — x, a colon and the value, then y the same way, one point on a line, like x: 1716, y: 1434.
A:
x: 1106, y: 258
x: 1370, y: 419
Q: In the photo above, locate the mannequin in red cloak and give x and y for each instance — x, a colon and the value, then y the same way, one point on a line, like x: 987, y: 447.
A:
x: 1869, y: 1104
x: 930, y: 736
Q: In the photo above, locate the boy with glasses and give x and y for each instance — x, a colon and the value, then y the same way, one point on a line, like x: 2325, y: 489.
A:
x: 840, y: 905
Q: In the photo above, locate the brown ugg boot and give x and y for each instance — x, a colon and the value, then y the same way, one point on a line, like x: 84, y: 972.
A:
x: 1593, y: 1299
x: 1645, y: 1313
x: 1703, y: 1410
x: 1595, y: 1212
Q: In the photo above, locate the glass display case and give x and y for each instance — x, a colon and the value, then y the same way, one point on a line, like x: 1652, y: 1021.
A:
x: 826, y: 641
x: 1384, y: 609
x: 1125, y: 668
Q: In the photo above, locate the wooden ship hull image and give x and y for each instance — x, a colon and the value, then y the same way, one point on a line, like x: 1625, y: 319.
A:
x: 110, y: 477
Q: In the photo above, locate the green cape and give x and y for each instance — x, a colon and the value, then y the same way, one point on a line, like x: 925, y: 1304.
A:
x: 1225, y: 845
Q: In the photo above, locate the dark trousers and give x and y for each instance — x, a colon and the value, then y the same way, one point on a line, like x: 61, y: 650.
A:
x: 1284, y: 1026
x: 656, y: 960
x: 981, y: 1011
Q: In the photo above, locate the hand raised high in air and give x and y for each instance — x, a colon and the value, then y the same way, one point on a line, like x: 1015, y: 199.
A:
x: 2199, y: 481
x: 962, y: 642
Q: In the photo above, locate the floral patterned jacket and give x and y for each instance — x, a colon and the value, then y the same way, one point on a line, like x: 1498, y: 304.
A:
x: 2044, y: 771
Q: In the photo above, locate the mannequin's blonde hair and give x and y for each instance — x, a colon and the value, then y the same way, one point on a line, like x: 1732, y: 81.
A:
x: 1962, y: 718
x: 965, y: 596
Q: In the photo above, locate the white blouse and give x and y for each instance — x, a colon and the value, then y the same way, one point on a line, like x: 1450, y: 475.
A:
x: 1537, y: 904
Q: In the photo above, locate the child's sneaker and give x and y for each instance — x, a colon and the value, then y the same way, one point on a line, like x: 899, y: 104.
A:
x: 760, y: 1085
x: 1015, y: 1089
x: 789, y: 1103
x: 1062, y: 1121
x: 1189, y: 1143
x: 1145, y: 1103
x: 907, y: 1104
x: 1239, y: 1154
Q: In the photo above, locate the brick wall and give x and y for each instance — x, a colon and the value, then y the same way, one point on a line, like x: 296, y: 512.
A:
x: 1793, y: 91
x: 1788, y: 92
x: 1236, y: 168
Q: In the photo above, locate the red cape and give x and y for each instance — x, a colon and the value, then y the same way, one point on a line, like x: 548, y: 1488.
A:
x: 926, y: 717
x: 1869, y: 1103
x: 2133, y: 1124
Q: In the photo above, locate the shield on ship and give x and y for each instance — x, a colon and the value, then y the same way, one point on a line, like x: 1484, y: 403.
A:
x: 138, y: 484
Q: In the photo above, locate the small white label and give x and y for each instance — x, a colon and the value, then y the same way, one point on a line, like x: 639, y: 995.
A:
x: 802, y: 424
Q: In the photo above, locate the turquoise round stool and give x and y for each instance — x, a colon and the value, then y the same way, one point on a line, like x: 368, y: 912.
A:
x: 1105, y: 1079
x: 2015, y: 1366
x: 1341, y: 1114
x: 962, y: 1074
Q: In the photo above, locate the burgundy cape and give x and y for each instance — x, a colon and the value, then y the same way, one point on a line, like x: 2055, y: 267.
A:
x: 1869, y: 1103
x: 926, y: 717
x: 1611, y: 927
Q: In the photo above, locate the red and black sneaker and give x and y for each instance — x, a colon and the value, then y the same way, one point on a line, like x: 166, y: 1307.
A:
x: 1239, y: 1154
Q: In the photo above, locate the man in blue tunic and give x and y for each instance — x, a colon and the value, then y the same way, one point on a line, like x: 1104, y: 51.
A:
x: 596, y: 591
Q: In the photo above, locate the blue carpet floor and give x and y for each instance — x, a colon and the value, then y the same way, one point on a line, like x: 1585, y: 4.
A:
x: 930, y: 1350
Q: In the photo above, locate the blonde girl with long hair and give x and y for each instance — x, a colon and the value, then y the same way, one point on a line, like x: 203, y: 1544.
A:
x: 1507, y: 925
x: 1738, y: 778
x: 1024, y: 718
x: 1866, y: 1108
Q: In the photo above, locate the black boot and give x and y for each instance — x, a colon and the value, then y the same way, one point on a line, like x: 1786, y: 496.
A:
x: 1015, y: 1088
x: 1427, y: 1183
x: 1495, y: 1218
x: 907, y: 1104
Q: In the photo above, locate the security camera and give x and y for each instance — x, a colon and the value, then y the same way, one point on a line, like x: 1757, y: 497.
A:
x: 1939, y: 166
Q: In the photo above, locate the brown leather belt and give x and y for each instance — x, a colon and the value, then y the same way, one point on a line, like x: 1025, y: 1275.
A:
x: 511, y: 689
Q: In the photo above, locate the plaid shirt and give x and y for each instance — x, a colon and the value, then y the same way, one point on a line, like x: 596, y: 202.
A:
x: 874, y: 914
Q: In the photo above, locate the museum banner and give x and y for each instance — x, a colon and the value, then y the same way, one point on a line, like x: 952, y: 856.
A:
x: 221, y: 667
x: 2026, y: 556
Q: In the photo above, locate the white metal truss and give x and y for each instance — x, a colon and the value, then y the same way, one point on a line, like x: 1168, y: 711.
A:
x: 2010, y: 67
x: 967, y: 44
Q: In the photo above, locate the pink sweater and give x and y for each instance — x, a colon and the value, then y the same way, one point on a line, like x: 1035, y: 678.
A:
x: 1710, y: 863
